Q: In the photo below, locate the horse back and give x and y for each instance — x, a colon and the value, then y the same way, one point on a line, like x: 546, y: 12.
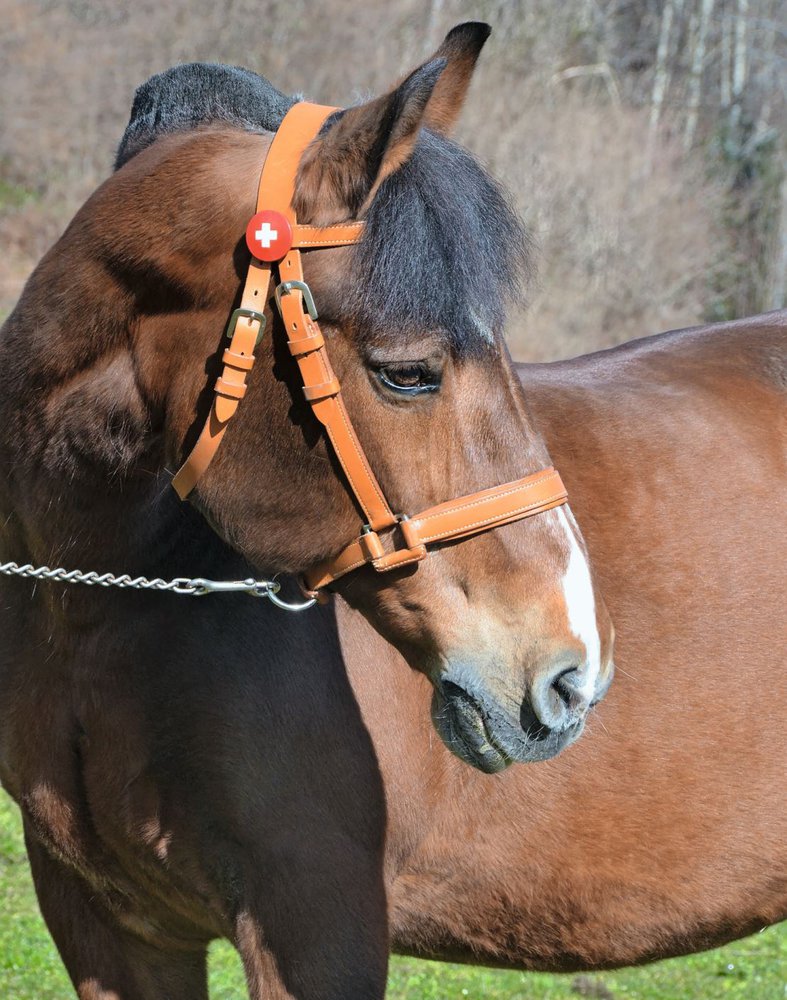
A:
x: 695, y: 415
x: 673, y: 451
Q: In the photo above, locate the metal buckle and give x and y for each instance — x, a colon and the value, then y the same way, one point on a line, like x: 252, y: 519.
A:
x: 248, y: 314
x: 287, y: 286
x: 366, y: 529
x: 383, y: 561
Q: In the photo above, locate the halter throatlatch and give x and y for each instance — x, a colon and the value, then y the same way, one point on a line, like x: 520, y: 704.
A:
x: 387, y: 540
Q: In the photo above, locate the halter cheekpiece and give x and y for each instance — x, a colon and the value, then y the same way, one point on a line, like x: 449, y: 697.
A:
x: 276, y: 239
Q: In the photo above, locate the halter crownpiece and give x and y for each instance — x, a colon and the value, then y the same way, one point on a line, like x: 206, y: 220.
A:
x: 274, y: 237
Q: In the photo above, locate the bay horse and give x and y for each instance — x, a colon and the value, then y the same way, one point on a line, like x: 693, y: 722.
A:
x: 192, y: 768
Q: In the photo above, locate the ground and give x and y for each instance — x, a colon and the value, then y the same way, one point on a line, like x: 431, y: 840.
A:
x: 753, y: 969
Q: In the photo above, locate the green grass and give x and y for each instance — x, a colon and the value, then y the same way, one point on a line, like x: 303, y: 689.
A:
x: 753, y: 969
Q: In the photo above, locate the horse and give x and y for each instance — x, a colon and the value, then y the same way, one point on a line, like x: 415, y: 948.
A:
x: 325, y: 787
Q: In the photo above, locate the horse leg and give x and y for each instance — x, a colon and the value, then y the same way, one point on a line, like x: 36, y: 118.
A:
x: 304, y: 939
x: 104, y: 961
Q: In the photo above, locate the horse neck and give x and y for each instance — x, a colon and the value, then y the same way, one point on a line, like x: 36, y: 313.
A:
x: 82, y: 423
x: 83, y: 485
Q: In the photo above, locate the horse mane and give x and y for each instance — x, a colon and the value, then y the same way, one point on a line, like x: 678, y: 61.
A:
x: 443, y: 250
x: 194, y: 94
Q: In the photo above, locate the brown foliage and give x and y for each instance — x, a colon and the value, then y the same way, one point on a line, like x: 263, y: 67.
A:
x: 628, y: 242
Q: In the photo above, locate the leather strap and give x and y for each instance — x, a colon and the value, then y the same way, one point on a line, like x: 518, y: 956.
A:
x: 468, y: 515
x: 245, y: 330
x: 447, y: 521
x: 308, y: 237
x: 276, y: 189
x: 307, y: 345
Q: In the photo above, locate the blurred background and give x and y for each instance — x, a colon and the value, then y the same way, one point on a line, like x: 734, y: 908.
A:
x: 643, y: 141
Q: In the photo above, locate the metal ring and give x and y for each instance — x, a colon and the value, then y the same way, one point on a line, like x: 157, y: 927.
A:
x: 273, y: 596
x: 286, y: 606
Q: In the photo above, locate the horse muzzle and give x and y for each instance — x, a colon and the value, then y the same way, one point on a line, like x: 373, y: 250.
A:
x: 477, y: 729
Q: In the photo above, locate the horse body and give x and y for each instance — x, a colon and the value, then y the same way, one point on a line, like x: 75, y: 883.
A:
x: 650, y: 836
x: 187, y: 771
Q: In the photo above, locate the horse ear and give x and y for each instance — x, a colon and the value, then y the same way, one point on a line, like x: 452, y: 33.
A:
x: 460, y: 49
x: 341, y: 171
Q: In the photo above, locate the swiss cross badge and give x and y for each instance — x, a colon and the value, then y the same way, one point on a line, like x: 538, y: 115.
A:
x: 268, y: 235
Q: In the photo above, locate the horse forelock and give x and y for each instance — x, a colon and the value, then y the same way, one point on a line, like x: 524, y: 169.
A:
x: 443, y: 250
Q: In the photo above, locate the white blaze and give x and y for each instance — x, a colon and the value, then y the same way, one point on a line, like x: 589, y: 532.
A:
x: 580, y: 602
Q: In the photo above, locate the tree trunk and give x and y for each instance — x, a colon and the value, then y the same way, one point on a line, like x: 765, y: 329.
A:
x: 661, y: 76
x: 696, y: 73
x: 739, y: 61
x: 778, y: 296
x: 725, y: 81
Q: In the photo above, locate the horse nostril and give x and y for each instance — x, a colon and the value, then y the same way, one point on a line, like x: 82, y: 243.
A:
x: 568, y: 687
x: 558, y: 702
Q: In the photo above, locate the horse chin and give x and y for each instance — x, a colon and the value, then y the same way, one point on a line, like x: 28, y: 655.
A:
x: 491, y: 749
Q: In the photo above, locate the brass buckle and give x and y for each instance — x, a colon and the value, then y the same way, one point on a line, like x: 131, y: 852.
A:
x: 251, y: 314
x: 285, y: 287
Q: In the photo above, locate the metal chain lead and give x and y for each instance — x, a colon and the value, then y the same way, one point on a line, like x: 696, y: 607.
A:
x: 183, y: 585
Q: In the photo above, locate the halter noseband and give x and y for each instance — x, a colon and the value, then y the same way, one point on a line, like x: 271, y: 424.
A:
x: 275, y: 237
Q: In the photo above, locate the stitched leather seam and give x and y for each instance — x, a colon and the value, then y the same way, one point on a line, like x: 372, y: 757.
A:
x: 325, y: 243
x: 467, y: 505
x: 333, y: 436
x: 362, y: 458
x: 348, y: 569
x: 356, y: 227
x: 464, y: 528
x: 533, y: 508
x: 358, y: 224
x: 403, y: 562
x: 338, y: 405
x: 327, y: 372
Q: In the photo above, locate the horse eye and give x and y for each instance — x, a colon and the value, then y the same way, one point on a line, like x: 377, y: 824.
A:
x: 409, y: 377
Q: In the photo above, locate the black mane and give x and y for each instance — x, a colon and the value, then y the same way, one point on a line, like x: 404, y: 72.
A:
x: 194, y: 94
x: 442, y: 249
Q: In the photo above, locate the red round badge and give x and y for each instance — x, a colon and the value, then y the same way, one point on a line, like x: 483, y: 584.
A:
x: 268, y: 235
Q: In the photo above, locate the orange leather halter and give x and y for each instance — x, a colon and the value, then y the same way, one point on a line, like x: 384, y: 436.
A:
x: 447, y: 521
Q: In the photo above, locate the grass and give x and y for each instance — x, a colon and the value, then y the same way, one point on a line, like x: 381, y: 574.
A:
x: 753, y: 969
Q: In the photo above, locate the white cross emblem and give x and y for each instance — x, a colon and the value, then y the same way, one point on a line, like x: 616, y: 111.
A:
x: 266, y: 235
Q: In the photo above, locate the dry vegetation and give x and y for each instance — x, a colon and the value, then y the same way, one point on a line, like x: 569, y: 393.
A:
x: 643, y: 142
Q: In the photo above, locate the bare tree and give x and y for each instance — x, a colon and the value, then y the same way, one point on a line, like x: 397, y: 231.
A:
x: 700, y: 37
x: 662, y: 72
x: 725, y: 70
x: 778, y: 277
x: 739, y: 61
